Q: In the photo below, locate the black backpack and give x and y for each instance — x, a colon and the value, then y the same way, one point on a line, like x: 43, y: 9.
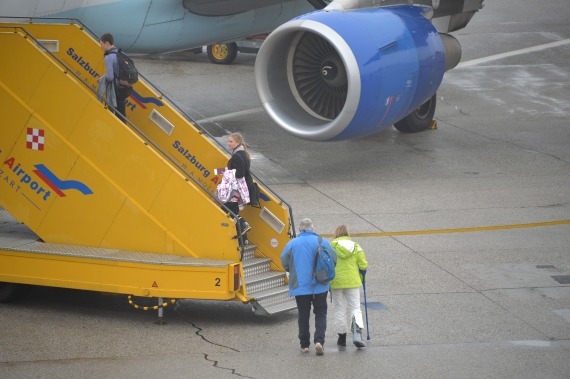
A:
x: 128, y: 74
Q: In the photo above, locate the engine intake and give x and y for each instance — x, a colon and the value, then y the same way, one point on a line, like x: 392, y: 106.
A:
x: 319, y: 76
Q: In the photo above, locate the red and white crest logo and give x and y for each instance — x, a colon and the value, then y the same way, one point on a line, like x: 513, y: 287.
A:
x: 35, y: 139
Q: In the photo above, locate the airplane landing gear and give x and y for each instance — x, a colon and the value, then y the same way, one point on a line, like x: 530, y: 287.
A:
x: 222, y: 53
x: 420, y: 119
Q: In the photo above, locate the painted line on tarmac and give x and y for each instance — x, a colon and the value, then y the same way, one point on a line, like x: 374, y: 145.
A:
x: 459, y: 230
x: 513, y: 53
x: 221, y: 117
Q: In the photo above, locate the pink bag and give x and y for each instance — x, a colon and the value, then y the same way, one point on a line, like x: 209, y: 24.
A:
x: 231, y: 188
x: 225, y: 186
x: 243, y: 191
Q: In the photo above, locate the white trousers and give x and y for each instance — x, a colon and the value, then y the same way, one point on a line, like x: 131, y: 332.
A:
x: 346, y: 302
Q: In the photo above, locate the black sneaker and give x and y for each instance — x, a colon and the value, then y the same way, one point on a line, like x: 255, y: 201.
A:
x: 245, y: 227
x: 341, y: 339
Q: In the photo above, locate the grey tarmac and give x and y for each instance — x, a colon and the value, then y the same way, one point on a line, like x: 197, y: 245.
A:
x: 473, y: 303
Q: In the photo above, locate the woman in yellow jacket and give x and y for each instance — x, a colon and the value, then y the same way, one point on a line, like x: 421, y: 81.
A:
x: 345, y: 287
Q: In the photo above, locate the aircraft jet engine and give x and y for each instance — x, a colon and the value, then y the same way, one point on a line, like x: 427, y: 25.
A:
x: 332, y: 75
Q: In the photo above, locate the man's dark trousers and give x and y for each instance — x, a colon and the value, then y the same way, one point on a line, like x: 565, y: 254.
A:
x: 122, y: 94
x: 319, y: 303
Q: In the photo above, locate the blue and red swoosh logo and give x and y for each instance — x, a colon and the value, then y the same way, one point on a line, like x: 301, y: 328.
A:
x: 141, y: 101
x: 58, y: 185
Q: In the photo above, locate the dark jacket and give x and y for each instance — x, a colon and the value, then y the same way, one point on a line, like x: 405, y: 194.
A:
x: 241, y: 164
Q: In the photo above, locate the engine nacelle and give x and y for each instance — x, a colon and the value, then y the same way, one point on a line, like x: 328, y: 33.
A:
x: 335, y: 75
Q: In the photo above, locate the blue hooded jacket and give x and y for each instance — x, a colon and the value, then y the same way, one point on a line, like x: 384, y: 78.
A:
x: 298, y: 258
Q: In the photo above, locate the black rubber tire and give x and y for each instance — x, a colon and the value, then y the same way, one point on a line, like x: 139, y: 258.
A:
x: 420, y: 119
x: 222, y: 53
x: 11, y: 291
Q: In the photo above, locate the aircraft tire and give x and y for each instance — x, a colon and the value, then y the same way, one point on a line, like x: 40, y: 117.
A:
x: 11, y: 291
x: 420, y: 119
x: 222, y: 53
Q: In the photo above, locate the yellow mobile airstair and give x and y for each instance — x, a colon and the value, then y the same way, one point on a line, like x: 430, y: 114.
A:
x: 89, y: 202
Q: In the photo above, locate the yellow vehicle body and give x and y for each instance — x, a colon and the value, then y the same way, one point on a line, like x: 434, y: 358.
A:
x: 79, y: 178
x: 185, y: 278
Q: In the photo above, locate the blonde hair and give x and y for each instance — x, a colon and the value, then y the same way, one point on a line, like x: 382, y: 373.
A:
x: 236, y: 136
x: 341, y: 231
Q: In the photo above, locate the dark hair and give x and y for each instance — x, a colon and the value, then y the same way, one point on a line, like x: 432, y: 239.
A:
x: 107, y: 37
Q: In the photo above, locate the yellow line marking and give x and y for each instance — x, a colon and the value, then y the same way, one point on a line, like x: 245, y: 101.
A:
x: 458, y: 230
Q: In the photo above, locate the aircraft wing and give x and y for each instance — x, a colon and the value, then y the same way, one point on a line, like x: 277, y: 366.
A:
x: 446, y: 15
x: 450, y: 16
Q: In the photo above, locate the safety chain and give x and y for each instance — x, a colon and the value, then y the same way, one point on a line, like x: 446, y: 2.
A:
x: 163, y: 305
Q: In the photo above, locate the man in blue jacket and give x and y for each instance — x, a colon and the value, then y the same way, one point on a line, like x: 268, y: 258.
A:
x: 298, y: 259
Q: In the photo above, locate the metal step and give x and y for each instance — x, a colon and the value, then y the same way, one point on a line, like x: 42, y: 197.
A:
x: 255, y: 266
x: 266, y: 287
x: 273, y: 309
x: 264, y: 281
x: 248, y: 252
x: 273, y: 301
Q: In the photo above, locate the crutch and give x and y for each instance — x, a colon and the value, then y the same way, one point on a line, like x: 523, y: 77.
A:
x: 366, y: 311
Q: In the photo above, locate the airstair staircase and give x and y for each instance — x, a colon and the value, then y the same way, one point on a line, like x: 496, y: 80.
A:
x: 91, y: 203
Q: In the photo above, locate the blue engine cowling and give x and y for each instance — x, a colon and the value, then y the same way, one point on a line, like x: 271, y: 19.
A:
x: 336, y: 75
